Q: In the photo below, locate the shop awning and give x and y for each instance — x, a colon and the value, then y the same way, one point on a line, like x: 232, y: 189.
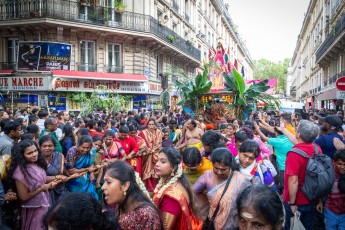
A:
x: 327, y: 95
x: 99, y: 76
x: 6, y: 72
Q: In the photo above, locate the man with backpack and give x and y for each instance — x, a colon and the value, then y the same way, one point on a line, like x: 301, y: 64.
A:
x: 302, y: 192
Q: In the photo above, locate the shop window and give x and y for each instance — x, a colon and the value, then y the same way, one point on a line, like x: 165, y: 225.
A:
x: 87, y: 56
x: 114, y: 58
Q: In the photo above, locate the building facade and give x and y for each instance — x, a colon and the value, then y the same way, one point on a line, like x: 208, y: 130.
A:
x: 53, y: 47
x: 318, y: 59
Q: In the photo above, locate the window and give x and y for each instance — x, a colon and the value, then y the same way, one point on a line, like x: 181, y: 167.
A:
x: 159, y: 66
x: 159, y: 15
x: 87, y: 56
x: 12, y: 48
x: 114, y: 58
x: 174, y: 27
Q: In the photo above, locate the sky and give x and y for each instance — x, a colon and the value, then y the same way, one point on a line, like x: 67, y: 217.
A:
x: 269, y: 27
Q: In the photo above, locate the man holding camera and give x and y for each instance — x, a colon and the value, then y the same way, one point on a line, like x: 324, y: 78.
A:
x: 281, y: 145
x: 285, y: 118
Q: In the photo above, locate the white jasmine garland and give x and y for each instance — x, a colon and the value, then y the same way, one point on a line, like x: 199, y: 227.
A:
x: 172, y: 181
x: 141, y: 185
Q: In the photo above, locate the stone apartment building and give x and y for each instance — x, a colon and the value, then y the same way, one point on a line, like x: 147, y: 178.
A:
x: 82, y: 44
x: 318, y: 59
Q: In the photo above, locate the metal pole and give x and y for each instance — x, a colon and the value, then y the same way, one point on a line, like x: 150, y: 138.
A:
x: 12, y: 103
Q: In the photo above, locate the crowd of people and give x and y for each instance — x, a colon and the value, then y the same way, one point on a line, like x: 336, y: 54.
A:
x: 155, y: 170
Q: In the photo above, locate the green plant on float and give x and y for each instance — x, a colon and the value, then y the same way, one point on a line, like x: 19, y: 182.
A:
x: 242, y: 95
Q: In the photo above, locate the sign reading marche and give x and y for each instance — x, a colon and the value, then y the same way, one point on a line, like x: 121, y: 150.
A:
x: 340, y: 84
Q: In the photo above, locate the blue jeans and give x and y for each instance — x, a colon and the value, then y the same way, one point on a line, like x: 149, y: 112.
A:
x: 334, y: 221
x: 307, y: 213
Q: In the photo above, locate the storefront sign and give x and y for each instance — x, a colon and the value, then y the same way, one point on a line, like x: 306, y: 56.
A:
x: 155, y: 89
x: 86, y: 85
x: 340, y: 95
x: 43, y: 56
x: 25, y: 83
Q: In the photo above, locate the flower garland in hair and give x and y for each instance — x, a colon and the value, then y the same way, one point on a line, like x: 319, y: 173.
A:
x: 141, y: 185
x: 172, y: 181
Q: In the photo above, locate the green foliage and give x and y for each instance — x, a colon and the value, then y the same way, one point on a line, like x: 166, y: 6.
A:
x: 171, y: 38
x: 242, y: 95
x: 118, y: 4
x: 193, y: 90
x: 99, y: 98
x: 265, y: 69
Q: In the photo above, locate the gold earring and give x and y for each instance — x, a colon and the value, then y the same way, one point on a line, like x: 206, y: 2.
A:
x: 124, y: 193
x: 172, y: 174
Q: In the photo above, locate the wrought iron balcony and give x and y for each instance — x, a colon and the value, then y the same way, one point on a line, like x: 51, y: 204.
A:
x: 335, y: 77
x: 96, y: 15
x: 176, y: 6
x: 332, y: 36
x: 114, y: 69
x: 86, y: 67
x: 8, y: 65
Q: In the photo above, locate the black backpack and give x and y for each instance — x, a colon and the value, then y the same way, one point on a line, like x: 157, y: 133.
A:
x: 320, y: 175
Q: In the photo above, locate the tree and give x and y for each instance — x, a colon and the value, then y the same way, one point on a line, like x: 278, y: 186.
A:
x: 265, y: 69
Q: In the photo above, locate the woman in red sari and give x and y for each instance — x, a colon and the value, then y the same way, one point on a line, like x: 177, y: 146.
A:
x: 137, y: 161
x: 173, y: 195
x: 112, y: 150
x: 153, y: 139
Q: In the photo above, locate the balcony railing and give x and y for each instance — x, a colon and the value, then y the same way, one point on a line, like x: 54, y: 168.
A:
x: 176, y: 6
x: 87, y: 67
x: 332, y: 36
x: 334, y: 78
x: 114, y: 69
x: 96, y: 15
x: 8, y: 65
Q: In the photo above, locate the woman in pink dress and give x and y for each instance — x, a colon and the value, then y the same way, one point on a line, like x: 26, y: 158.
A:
x: 28, y: 170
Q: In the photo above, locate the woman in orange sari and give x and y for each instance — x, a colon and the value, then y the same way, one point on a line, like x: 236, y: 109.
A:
x: 173, y: 195
x: 153, y: 139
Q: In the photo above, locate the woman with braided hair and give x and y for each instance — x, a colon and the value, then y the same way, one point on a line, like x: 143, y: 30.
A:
x: 173, y: 195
